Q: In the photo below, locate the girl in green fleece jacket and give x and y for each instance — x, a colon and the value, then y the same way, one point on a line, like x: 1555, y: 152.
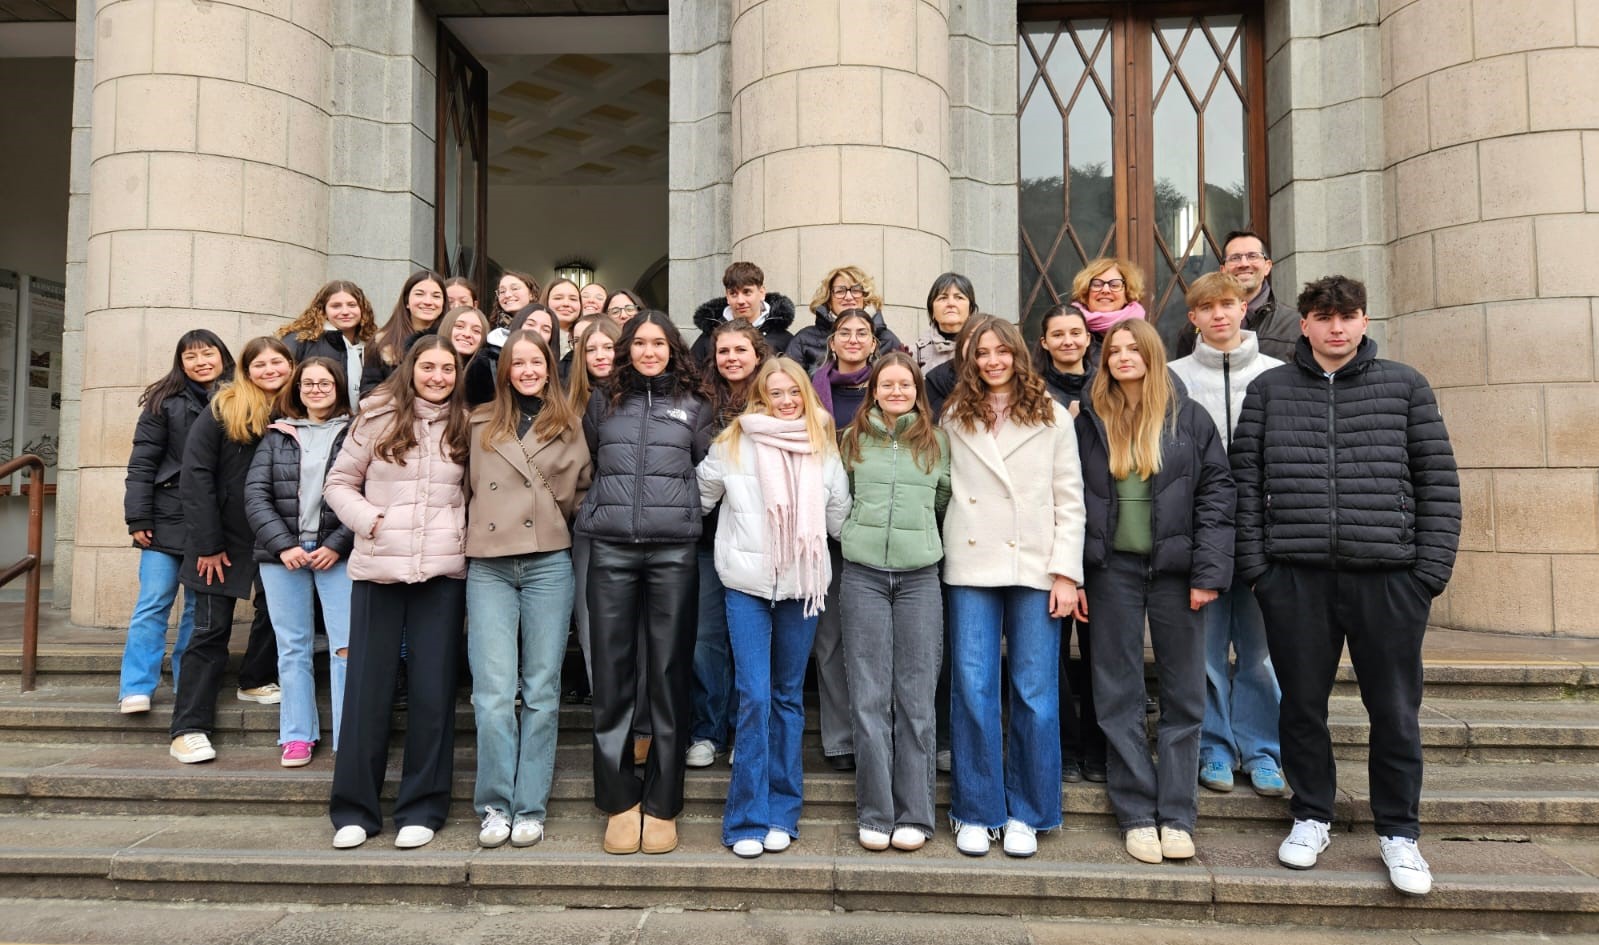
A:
x: 893, y: 618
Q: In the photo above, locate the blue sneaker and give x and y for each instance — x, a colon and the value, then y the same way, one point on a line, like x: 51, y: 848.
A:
x: 1268, y: 782
x: 1216, y: 775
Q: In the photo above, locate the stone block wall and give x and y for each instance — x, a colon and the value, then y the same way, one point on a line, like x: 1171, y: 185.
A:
x: 983, y: 183
x: 699, y: 139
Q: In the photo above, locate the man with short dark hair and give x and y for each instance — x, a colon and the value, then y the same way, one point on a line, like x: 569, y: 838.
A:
x: 1348, y: 523
x: 744, y: 296
x: 1275, y: 324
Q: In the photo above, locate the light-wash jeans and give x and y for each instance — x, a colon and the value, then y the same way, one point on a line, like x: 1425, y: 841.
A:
x: 519, y: 608
x: 147, y: 628
x: 1240, y: 729
x: 893, y: 644
x: 289, y: 596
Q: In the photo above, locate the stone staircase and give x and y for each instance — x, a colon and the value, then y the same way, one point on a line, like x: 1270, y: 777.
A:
x: 91, y: 807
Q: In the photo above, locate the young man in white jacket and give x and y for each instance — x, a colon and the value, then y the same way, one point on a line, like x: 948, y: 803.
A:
x: 1240, y: 727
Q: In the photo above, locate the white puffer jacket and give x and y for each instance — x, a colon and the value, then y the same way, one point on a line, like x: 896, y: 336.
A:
x: 741, y: 559
x: 1218, y: 380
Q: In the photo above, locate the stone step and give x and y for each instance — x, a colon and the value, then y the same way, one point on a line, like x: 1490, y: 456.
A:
x: 1482, y: 801
x: 1546, y: 887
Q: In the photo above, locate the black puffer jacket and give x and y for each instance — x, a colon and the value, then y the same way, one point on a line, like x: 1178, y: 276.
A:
x: 644, y: 453
x: 151, y: 501
x: 809, y: 346
x: 212, y: 491
x: 779, y: 317
x: 1276, y: 328
x: 1353, y: 472
x: 272, y: 498
x: 1193, y: 497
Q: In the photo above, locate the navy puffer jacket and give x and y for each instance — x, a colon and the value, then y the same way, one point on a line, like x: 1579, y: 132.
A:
x: 645, y: 451
x: 1352, y: 471
x: 1192, y: 497
x: 272, y: 497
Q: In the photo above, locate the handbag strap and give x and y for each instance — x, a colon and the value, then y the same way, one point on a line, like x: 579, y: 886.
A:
x: 538, y: 472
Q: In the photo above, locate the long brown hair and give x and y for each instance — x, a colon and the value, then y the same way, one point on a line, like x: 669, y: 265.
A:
x: 1133, y: 430
x: 240, y: 406
x: 1030, y: 403
x: 556, y: 418
x: 921, y: 437
x: 291, y: 403
x: 579, y: 385
x: 399, y: 437
x: 391, y: 338
x: 727, y: 400
x: 313, y: 321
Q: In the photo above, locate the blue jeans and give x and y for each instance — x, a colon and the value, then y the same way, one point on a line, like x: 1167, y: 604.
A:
x: 713, y: 659
x: 147, y: 628
x: 289, y: 597
x: 1240, y: 729
x: 520, y: 608
x: 1013, y: 773
x: 771, y: 645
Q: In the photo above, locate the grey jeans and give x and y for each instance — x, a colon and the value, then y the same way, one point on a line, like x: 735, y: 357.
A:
x: 832, y: 683
x: 893, y: 643
x: 1120, y: 595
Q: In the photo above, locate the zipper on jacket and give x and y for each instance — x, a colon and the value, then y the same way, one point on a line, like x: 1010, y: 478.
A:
x: 1332, y: 466
x: 638, y: 486
x: 1227, y: 395
x: 893, y: 486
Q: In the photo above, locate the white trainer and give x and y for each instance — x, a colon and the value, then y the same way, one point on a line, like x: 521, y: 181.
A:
x: 192, y: 748
x: 349, y: 837
x: 1304, y: 843
x: 748, y: 848
x: 526, y: 832
x: 776, y: 841
x: 908, y: 838
x: 270, y: 694
x: 701, y: 754
x: 1143, y: 845
x: 873, y: 840
x: 133, y: 705
x: 1406, y: 869
x: 972, y: 840
x: 412, y: 836
x: 496, y: 828
x: 1020, y: 839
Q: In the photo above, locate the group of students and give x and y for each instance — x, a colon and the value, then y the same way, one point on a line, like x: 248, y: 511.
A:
x: 710, y: 519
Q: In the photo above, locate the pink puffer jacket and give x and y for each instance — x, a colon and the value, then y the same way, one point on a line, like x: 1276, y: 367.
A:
x: 409, y: 521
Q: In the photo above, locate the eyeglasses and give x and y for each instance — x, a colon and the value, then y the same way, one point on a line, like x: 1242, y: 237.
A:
x: 315, y: 386
x: 1244, y: 257
x: 1115, y: 285
x: 628, y: 309
x: 842, y: 291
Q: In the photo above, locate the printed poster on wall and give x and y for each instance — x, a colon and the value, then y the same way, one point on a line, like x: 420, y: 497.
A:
x: 42, y: 429
x: 8, y: 359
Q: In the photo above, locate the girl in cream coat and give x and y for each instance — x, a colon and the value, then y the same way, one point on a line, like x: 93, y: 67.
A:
x: 1013, y: 544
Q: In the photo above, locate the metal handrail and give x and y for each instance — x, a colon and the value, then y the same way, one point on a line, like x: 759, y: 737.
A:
x: 30, y: 563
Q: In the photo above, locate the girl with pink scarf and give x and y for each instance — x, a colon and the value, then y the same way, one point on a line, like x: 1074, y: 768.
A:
x: 776, y: 472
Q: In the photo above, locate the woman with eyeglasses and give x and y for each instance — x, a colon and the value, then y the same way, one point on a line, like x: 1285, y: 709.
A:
x: 515, y: 291
x: 622, y: 306
x: 1107, y: 291
x: 845, y: 288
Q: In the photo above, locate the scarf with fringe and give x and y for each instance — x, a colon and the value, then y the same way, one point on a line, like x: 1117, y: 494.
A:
x: 790, y: 474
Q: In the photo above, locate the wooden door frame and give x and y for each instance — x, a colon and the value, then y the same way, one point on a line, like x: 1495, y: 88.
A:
x: 453, y: 54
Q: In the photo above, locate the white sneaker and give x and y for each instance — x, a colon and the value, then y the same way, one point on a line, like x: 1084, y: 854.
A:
x: 943, y: 760
x: 192, y: 748
x: 1406, y: 869
x: 972, y: 840
x: 1176, y: 843
x: 413, y: 836
x: 1020, y: 839
x: 526, y: 832
x: 133, y: 705
x: 1143, y: 845
x: 908, y: 838
x: 496, y: 828
x: 270, y: 694
x: 776, y: 841
x: 1304, y: 843
x: 701, y: 754
x: 349, y: 837
x: 873, y: 840
x: 748, y: 848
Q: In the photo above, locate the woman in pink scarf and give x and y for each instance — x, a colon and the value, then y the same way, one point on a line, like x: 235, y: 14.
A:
x: 1107, y: 291
x: 783, y: 490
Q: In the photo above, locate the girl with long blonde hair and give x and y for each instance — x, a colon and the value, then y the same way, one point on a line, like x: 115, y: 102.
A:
x: 1158, y: 547
x: 776, y: 472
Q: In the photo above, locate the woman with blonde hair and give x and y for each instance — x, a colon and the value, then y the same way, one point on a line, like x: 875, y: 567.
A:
x: 219, y: 563
x: 776, y: 472
x: 1107, y: 290
x: 338, y: 324
x: 1159, y: 546
x: 1013, y: 540
x: 845, y: 288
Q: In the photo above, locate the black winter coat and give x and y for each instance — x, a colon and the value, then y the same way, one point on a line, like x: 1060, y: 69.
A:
x: 374, y: 370
x: 809, y: 346
x: 1192, y: 504
x: 272, y: 499
x: 329, y: 344
x: 1066, y: 388
x: 775, y: 327
x: 1350, y: 472
x: 151, y: 501
x: 940, y: 383
x: 1276, y: 328
x: 645, y: 453
x: 212, y: 490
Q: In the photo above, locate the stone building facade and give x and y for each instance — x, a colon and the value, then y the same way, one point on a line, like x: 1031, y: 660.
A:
x: 228, y: 156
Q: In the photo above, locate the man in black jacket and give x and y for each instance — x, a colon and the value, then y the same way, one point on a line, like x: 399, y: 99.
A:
x: 743, y: 296
x: 1275, y: 324
x: 1348, y: 522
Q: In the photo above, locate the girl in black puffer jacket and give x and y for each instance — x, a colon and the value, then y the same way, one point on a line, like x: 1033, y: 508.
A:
x: 302, y: 546
x: 647, y: 429
x: 1158, y: 544
x: 155, y: 515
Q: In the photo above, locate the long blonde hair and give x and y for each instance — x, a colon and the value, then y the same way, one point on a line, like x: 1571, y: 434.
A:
x: 818, y: 423
x: 241, y: 406
x: 1134, y: 431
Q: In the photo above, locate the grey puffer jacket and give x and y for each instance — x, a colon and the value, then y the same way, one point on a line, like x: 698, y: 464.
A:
x: 645, y: 451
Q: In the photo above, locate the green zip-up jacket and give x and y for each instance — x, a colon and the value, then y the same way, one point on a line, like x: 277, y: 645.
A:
x: 893, y: 523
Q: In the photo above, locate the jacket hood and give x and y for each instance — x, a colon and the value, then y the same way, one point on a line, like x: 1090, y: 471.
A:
x: 1242, y: 356
x: 1365, y: 353
x: 780, y: 313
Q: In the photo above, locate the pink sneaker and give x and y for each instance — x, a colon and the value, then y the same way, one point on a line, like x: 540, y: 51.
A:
x: 297, y: 754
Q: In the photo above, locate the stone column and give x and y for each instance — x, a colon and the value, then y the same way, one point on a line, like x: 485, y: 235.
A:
x: 701, y: 162
x: 1494, y: 184
x: 840, y: 131
x: 208, y: 207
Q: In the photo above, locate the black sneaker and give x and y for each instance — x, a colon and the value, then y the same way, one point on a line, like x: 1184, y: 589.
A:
x: 1094, y: 771
x: 1071, y: 772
